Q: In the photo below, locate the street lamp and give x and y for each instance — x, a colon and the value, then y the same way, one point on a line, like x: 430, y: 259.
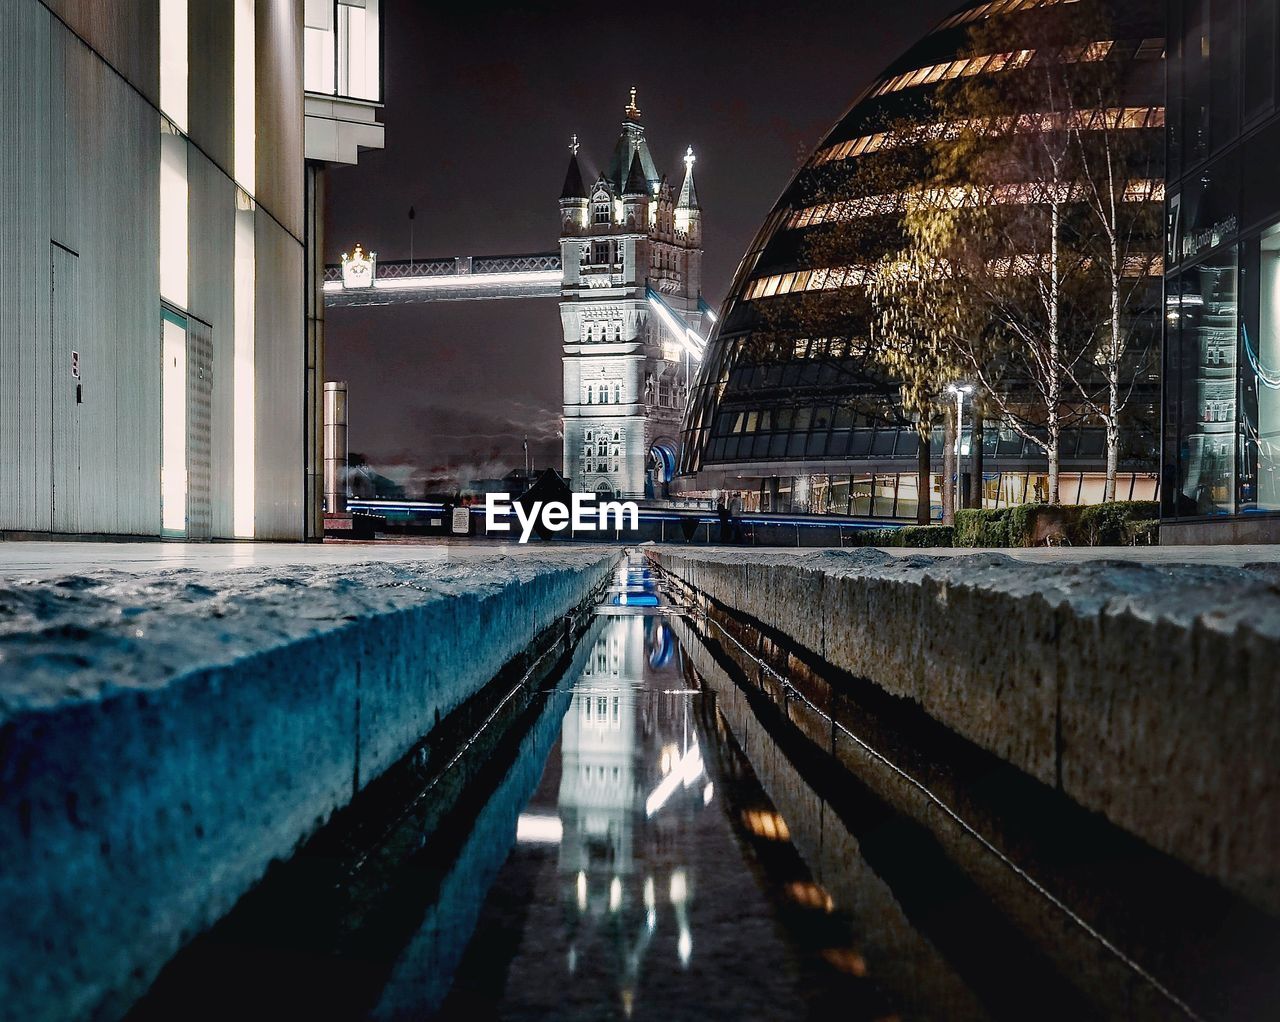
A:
x: 959, y: 390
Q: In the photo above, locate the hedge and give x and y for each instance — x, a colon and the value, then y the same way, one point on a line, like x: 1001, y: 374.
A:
x: 915, y: 536
x: 1112, y: 524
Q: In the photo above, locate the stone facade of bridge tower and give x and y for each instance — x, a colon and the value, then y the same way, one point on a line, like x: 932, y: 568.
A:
x: 631, y: 249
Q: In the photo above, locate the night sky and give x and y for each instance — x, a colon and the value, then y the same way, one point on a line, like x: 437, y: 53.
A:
x: 481, y: 99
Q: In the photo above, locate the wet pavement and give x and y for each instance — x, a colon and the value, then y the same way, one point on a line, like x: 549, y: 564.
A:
x: 633, y: 834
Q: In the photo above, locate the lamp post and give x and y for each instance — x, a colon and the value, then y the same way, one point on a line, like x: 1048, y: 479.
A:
x: 959, y: 390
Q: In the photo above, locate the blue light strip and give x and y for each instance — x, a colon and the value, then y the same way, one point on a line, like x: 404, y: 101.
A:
x: 813, y: 521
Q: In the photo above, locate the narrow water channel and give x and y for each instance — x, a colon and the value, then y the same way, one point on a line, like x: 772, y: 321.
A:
x: 650, y: 876
x: 631, y: 833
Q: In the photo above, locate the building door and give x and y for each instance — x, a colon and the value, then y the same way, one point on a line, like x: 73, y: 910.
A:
x: 69, y: 370
x: 173, y: 423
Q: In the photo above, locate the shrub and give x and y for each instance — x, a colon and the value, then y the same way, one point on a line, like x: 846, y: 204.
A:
x: 1108, y: 524
x: 915, y: 536
x: 983, y: 527
x: 924, y: 536
x: 1142, y: 532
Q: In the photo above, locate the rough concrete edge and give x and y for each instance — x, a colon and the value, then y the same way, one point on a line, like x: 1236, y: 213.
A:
x: 174, y: 801
x: 1059, y: 691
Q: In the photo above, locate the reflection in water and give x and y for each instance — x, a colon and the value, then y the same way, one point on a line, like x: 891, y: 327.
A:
x: 634, y: 889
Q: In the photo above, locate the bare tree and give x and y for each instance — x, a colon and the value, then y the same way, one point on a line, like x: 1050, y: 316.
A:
x: 1121, y: 173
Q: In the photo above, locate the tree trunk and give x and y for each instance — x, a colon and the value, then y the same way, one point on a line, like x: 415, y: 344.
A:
x: 1113, y: 457
x: 949, y: 465
x: 975, y: 458
x: 1054, y: 389
x: 1113, y: 383
x: 1054, y: 496
x: 924, y: 484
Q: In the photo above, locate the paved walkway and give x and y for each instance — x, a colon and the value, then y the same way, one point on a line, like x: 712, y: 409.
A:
x: 42, y: 559
x: 38, y: 559
x: 1224, y: 555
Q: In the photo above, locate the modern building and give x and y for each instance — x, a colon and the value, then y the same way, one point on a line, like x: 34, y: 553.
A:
x: 790, y: 422
x: 157, y: 375
x: 631, y: 255
x: 1221, y: 423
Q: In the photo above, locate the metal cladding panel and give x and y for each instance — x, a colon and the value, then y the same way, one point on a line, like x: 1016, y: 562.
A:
x: 210, y: 63
x: 125, y: 32
x: 26, y: 441
x: 200, y: 384
x: 109, y: 200
x: 212, y: 299
x: 280, y: 151
x: 280, y: 361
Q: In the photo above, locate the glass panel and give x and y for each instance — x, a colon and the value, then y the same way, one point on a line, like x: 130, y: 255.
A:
x: 1210, y: 207
x: 1259, y: 57
x: 908, y: 490
x: 1224, y: 61
x: 885, y: 493
x: 839, y: 499
x: 246, y: 116
x: 174, y: 230
x: 1260, y: 378
x: 1174, y: 132
x: 861, y: 488
x: 173, y: 61
x: 1207, y: 422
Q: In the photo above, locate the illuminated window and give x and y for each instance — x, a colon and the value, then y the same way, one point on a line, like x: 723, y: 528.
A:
x: 342, y: 48
x: 173, y: 61
x: 246, y: 136
x: 243, y: 368
x: 173, y: 215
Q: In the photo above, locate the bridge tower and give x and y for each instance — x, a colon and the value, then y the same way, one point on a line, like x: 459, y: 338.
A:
x: 631, y: 252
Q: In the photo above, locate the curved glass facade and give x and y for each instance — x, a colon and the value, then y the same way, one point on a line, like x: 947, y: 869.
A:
x: 776, y: 413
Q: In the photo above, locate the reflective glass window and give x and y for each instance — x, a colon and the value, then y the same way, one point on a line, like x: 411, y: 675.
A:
x: 1259, y: 443
x: 1259, y: 58
x: 1207, y: 311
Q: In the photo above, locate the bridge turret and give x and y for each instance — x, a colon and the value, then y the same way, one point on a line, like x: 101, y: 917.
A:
x: 635, y: 197
x: 573, y: 196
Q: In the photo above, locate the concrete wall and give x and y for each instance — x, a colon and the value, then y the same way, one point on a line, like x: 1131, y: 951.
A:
x: 1147, y: 693
x: 79, y: 169
x: 149, y: 779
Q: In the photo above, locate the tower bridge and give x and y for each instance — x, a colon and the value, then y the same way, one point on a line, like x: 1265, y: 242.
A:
x: 628, y: 278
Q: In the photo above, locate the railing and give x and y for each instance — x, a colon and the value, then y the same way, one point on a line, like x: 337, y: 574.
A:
x: 343, y: 49
x: 539, y: 262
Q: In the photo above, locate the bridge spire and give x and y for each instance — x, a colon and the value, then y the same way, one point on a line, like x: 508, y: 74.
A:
x: 633, y: 111
x: 688, y: 193
x: 573, y: 185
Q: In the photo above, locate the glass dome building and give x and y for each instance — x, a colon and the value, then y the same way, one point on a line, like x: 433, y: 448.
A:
x: 794, y: 423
